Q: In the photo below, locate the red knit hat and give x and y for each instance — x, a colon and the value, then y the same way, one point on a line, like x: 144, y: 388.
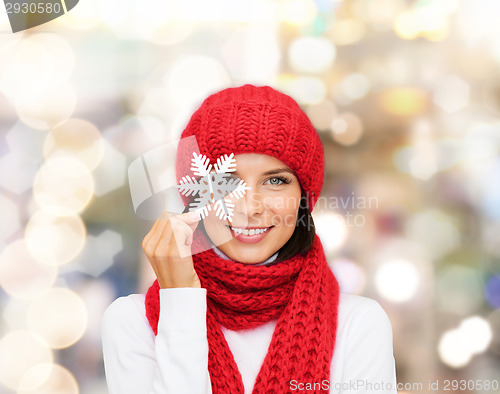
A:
x: 256, y: 119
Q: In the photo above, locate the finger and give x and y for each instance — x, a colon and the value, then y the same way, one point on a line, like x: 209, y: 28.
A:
x: 150, y: 233
x: 172, y: 243
x: 163, y: 243
x: 194, y: 225
x: 189, y: 239
x: 189, y: 217
x: 159, y: 232
x: 158, y: 221
x: 183, y: 235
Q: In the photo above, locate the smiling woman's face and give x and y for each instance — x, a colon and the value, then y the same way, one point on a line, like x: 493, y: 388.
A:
x: 272, y: 203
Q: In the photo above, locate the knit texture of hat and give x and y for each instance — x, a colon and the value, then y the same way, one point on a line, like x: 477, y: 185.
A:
x: 256, y: 119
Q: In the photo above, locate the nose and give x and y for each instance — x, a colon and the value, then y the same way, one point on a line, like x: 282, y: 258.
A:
x: 250, y: 205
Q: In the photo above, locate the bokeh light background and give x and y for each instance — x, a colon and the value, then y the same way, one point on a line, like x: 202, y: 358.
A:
x: 405, y: 96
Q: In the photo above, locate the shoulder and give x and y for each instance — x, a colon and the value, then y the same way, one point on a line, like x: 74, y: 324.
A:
x: 353, y: 303
x: 362, y: 315
x: 364, y: 345
x: 126, y: 313
x: 123, y: 306
x: 355, y: 309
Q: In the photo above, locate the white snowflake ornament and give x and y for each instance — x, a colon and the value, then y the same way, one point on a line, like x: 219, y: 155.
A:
x: 217, y: 187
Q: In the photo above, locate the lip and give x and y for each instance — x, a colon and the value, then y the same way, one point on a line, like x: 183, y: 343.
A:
x: 250, y: 239
x: 252, y: 227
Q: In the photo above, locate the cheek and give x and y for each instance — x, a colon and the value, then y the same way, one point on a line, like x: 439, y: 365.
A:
x: 212, y: 222
x: 216, y: 229
x: 284, y: 211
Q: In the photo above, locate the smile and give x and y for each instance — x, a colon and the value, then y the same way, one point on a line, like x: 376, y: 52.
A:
x: 249, y: 236
x: 252, y: 231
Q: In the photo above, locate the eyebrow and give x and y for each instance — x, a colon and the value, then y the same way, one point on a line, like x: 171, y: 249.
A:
x: 275, y: 171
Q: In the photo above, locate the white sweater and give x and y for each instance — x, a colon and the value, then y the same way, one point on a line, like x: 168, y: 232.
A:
x: 176, y: 360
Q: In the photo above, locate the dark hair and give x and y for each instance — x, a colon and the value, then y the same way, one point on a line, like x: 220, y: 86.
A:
x: 302, y: 238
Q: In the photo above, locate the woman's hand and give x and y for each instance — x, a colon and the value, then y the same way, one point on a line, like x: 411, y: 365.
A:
x: 168, y: 248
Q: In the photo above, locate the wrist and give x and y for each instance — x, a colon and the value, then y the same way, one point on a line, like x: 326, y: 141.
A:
x: 169, y: 285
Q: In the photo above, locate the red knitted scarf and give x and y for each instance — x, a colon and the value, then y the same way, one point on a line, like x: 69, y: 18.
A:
x: 301, y: 293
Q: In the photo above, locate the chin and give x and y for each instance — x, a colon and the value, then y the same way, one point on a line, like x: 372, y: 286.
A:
x: 245, y: 256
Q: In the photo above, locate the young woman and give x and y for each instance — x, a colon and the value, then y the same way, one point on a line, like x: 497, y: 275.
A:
x: 258, y: 310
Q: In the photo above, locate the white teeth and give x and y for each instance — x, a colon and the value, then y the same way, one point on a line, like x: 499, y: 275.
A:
x: 249, y: 232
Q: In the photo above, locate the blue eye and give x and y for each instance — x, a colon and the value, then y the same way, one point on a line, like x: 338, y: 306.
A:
x: 280, y: 179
